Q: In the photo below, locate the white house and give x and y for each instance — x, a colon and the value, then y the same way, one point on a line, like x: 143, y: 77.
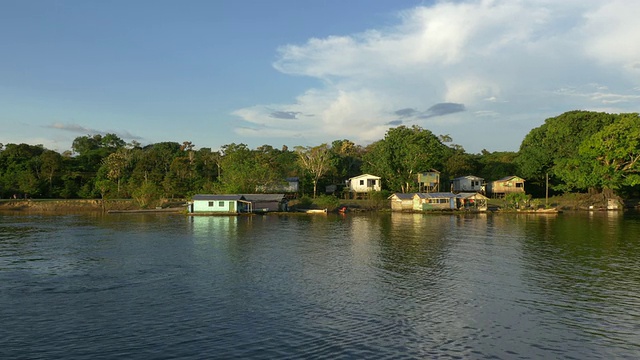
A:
x: 468, y: 183
x: 364, y: 183
x: 401, y: 201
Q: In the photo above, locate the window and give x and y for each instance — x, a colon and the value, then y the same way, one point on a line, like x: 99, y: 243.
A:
x: 221, y: 203
x: 210, y: 203
x: 361, y: 182
x: 519, y: 185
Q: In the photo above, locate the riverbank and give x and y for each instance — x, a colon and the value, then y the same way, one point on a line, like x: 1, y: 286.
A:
x: 50, y: 205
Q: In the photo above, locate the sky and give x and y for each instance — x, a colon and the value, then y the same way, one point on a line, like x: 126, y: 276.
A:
x: 291, y: 72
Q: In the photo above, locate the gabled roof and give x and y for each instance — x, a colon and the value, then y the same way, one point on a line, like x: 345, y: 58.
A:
x: 368, y: 176
x: 402, y: 196
x: 436, y: 195
x: 470, y: 177
x: 471, y: 195
x: 507, y: 178
x: 263, y: 197
x: 218, y: 197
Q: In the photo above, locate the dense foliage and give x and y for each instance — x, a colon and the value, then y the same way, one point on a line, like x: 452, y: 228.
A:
x: 578, y: 150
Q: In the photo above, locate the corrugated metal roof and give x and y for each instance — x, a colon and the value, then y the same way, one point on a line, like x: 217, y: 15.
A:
x: 263, y: 197
x: 403, y: 196
x: 470, y: 195
x: 470, y: 177
x: 218, y: 197
x: 506, y: 178
x: 436, y: 195
x: 368, y: 176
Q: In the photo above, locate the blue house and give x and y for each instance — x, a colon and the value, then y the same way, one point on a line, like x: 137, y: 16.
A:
x: 219, y: 204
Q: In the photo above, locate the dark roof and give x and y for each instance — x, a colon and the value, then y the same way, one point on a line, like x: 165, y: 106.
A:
x: 218, y: 197
x: 263, y: 197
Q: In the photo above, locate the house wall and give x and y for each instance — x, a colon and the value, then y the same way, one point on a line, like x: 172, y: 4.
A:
x: 420, y: 204
x: 506, y: 187
x: 217, y: 206
x: 401, y: 204
x: 466, y: 185
x: 364, y: 184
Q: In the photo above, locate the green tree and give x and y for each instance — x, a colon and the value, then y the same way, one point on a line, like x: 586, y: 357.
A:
x: 558, y: 138
x: 608, y: 160
x: 402, y: 154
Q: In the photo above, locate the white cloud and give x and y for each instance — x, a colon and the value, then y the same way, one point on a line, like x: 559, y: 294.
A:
x: 501, y: 59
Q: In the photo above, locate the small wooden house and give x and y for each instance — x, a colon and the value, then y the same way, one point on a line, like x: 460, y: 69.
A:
x: 434, y: 201
x: 218, y: 204
x: 266, y: 202
x: 472, y: 201
x: 429, y: 181
x: 507, y: 185
x: 401, y: 201
x: 364, y: 183
x: 468, y: 183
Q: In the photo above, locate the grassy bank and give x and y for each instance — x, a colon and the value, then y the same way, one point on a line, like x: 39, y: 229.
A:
x: 67, y: 205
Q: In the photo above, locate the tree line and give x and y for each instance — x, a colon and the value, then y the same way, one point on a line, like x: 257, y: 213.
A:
x: 577, y: 151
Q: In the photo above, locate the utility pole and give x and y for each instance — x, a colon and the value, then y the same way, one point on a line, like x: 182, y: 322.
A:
x: 546, y: 197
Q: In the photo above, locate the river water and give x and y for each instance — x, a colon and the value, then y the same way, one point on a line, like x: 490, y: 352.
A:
x: 375, y: 286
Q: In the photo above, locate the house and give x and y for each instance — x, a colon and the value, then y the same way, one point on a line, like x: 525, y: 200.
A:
x: 507, y: 185
x: 219, y: 204
x: 288, y: 186
x: 401, y: 201
x: 471, y: 201
x: 434, y: 201
x: 468, y: 183
x: 429, y: 181
x: 364, y: 183
x: 266, y: 202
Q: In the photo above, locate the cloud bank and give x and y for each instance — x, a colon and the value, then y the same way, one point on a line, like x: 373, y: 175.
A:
x: 488, y: 67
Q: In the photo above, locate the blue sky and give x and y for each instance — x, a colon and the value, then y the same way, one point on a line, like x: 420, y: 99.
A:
x: 290, y: 72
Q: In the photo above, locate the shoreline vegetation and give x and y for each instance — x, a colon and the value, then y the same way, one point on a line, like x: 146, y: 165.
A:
x: 567, y: 202
x: 590, y: 159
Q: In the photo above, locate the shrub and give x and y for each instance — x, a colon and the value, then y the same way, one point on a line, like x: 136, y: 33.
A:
x: 328, y: 202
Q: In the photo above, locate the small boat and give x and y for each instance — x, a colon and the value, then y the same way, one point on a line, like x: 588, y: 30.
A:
x: 313, y: 211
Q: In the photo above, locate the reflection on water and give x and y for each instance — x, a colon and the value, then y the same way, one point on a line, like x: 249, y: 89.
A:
x: 142, y: 286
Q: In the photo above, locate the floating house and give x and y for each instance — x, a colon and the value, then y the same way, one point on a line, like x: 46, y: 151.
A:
x: 266, y: 202
x: 468, y: 183
x: 364, y: 183
x: 219, y: 204
x: 401, y: 201
x: 472, y: 201
x: 507, y: 185
x: 434, y: 201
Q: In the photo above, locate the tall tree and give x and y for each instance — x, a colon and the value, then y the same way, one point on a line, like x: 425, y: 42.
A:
x: 607, y: 160
x: 316, y: 161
